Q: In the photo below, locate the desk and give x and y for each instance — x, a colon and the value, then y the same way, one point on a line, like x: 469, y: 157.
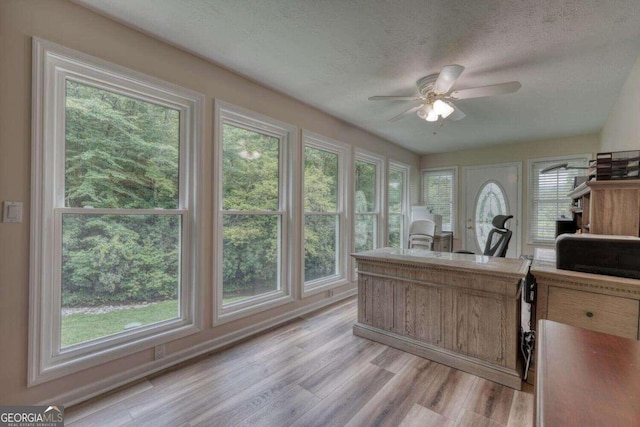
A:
x: 586, y: 378
x: 601, y: 303
x: 457, y: 309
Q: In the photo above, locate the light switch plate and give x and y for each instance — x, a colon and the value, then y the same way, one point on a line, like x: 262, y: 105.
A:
x: 11, y: 211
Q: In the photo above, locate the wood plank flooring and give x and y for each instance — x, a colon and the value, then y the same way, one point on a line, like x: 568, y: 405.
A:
x: 310, y: 372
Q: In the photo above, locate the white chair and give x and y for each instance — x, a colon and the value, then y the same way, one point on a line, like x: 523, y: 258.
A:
x: 421, y: 234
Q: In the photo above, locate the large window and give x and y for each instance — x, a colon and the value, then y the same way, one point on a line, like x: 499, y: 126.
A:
x: 368, y: 172
x: 324, y: 211
x: 114, y: 211
x: 397, y: 193
x: 439, y: 194
x: 253, y: 220
x: 548, y: 199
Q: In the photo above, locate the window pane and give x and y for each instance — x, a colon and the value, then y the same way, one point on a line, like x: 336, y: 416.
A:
x: 121, y: 152
x: 396, y: 201
x: 118, y: 273
x: 250, y: 170
x: 365, y: 232
x: 491, y: 202
x: 396, y: 191
x: 320, y: 180
x: 549, y: 196
x: 439, y: 194
x: 365, y: 186
x: 545, y: 220
x: 320, y: 246
x: 395, y: 230
x: 251, y: 263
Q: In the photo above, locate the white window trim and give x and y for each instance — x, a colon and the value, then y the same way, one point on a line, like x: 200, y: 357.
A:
x: 320, y: 142
x: 530, y: 164
x: 52, y: 64
x: 226, y: 113
x: 406, y: 171
x: 381, y: 194
x: 457, y: 195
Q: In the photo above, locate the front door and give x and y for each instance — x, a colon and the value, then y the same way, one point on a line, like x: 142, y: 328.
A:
x: 489, y: 191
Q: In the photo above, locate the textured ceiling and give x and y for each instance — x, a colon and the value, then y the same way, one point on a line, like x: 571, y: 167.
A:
x: 571, y: 56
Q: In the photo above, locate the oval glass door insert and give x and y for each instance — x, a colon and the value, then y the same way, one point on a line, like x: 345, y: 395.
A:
x: 491, y: 201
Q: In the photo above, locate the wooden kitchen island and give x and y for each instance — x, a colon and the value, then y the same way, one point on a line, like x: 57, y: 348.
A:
x: 456, y: 309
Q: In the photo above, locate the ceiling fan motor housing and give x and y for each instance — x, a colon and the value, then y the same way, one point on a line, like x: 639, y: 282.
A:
x: 425, y: 84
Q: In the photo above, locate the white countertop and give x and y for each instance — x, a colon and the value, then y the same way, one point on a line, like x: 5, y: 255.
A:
x: 447, y: 259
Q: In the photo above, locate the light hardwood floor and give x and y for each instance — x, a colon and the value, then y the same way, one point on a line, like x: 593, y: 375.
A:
x: 310, y: 372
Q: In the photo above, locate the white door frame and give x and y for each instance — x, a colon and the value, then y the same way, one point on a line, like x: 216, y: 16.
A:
x: 518, y: 217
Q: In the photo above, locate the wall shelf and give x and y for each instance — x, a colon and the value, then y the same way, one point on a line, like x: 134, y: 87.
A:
x: 581, y: 198
x: 579, y: 191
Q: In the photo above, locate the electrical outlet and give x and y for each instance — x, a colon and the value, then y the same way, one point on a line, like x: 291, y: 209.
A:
x: 160, y: 351
x: 330, y: 293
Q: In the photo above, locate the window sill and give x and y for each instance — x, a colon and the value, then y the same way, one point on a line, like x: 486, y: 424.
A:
x: 70, y: 362
x: 229, y: 314
x: 319, y: 286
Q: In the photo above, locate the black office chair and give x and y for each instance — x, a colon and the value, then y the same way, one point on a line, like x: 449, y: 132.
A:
x: 498, y: 238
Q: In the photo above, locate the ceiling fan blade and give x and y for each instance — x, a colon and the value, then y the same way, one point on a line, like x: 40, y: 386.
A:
x: 395, y: 98
x: 482, y: 91
x: 405, y: 113
x: 457, y: 113
x: 447, y: 78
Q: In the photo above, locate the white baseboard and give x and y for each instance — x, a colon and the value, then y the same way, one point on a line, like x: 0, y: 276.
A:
x: 122, y: 378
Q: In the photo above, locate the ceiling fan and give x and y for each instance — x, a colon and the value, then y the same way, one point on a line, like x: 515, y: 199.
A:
x: 435, y: 98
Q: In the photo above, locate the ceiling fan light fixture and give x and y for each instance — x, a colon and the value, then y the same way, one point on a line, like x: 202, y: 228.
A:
x: 442, y: 108
x: 431, y: 112
x: 424, y: 111
x: 432, y: 116
x: 436, y: 96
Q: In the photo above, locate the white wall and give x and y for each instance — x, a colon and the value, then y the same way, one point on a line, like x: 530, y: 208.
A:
x: 621, y: 131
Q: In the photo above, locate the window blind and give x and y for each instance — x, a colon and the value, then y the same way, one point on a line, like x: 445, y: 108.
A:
x: 549, y: 196
x: 439, y: 195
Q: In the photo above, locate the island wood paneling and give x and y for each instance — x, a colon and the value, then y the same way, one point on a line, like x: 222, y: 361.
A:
x: 458, y: 309
x: 481, y: 326
x: 423, y: 317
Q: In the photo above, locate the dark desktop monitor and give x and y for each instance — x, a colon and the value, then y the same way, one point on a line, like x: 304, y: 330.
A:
x: 566, y: 226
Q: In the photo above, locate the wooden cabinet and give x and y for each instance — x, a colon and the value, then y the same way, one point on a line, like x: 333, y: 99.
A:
x: 608, y: 207
x: 615, y: 207
x: 456, y: 309
x: 443, y: 242
x: 601, y: 303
